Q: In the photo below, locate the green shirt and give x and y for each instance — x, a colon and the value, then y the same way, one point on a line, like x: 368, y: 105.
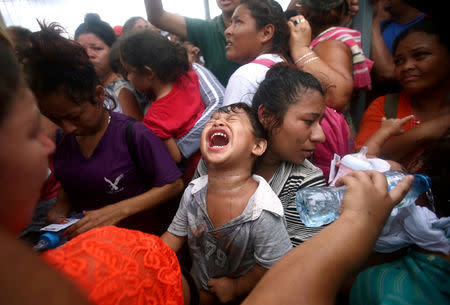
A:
x: 209, y: 36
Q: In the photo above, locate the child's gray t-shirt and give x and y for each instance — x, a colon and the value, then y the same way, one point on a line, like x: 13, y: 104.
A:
x: 257, y: 236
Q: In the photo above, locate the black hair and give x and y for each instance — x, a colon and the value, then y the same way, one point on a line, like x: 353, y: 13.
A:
x: 56, y: 63
x: 167, y: 59
x: 428, y: 26
x: 327, y: 17
x: 282, y: 87
x: 129, y: 24
x: 21, y: 39
x: 10, y: 77
x: 258, y: 129
x: 270, y: 12
x: 114, y: 60
x: 93, y: 24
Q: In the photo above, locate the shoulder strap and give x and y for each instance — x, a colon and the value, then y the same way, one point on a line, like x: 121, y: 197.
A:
x: 130, y: 142
x: 264, y: 61
x: 391, y: 105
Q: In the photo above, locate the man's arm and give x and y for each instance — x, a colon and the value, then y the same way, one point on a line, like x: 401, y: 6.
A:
x: 170, y: 22
x: 313, y: 272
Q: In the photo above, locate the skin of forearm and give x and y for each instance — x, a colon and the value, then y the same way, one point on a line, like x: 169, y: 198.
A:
x: 340, y: 252
x: 383, y: 67
x: 150, y: 199
x: 245, y: 283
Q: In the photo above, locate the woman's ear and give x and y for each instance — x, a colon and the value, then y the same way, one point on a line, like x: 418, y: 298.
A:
x: 267, y: 33
x: 99, y: 94
x: 260, y: 147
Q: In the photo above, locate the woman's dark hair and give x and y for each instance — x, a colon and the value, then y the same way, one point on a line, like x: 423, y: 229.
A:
x: 328, y: 15
x: 282, y: 87
x: 129, y: 24
x: 114, y: 60
x: 56, y: 63
x: 167, y: 59
x: 21, y: 39
x: 258, y: 129
x: 270, y: 12
x: 428, y: 26
x: 10, y: 77
x: 93, y: 24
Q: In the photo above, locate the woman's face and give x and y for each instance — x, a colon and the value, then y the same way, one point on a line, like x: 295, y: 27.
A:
x: 242, y: 37
x: 421, y: 63
x: 78, y: 119
x: 23, y: 161
x: 97, y: 51
x: 296, y: 138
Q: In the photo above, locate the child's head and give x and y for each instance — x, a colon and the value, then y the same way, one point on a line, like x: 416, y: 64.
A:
x: 147, y: 55
x: 233, y: 136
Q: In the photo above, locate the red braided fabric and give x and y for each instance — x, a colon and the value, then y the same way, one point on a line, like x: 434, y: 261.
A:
x: 117, y: 266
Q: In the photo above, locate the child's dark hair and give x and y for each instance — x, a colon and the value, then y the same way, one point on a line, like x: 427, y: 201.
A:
x: 93, y: 24
x: 258, y: 129
x: 115, y: 62
x: 428, y: 26
x: 282, y: 88
x: 168, y: 60
x: 56, y: 63
x: 270, y: 12
x: 10, y: 77
x: 129, y: 24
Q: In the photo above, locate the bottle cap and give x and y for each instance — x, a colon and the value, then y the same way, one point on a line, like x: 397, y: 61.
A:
x: 355, y: 163
x: 52, y: 238
x: 421, y: 182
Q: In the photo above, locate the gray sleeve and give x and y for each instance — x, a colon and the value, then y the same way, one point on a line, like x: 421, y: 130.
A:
x: 179, y: 225
x: 270, y: 239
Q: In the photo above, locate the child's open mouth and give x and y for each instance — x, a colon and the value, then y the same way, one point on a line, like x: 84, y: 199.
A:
x: 218, y: 139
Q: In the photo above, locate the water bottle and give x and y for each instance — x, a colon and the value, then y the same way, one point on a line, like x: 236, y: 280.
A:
x: 50, y: 240
x: 319, y: 206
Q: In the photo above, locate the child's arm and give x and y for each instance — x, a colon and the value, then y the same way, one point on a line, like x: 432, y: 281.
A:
x: 228, y: 289
x: 173, y: 241
x: 389, y: 128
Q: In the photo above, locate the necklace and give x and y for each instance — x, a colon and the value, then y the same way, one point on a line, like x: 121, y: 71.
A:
x: 109, y: 119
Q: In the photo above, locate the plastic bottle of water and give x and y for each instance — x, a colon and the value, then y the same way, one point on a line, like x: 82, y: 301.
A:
x: 50, y: 240
x: 318, y: 206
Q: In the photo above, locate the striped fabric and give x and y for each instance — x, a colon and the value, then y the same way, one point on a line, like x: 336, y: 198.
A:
x: 286, y: 181
x: 212, y: 93
x: 352, y: 38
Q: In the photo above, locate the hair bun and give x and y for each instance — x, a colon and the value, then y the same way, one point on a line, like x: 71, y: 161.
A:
x: 92, y: 17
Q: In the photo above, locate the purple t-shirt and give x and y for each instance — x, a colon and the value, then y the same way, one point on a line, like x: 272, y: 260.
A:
x: 110, y: 175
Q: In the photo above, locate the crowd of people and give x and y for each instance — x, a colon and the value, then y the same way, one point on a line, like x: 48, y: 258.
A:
x: 181, y: 145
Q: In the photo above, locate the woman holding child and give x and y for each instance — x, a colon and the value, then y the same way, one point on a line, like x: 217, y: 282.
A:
x: 99, y: 174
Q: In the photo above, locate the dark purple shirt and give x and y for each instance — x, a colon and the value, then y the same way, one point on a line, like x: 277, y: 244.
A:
x: 110, y: 175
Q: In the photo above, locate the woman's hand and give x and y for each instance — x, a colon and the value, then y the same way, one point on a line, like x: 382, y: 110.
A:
x: 106, y: 216
x: 61, y: 208
x: 367, y: 196
x: 300, y: 35
x: 223, y: 288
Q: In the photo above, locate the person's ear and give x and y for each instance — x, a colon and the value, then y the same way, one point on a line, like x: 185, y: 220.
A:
x: 267, y: 33
x: 99, y: 94
x: 260, y: 147
x: 263, y: 116
x: 149, y: 73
